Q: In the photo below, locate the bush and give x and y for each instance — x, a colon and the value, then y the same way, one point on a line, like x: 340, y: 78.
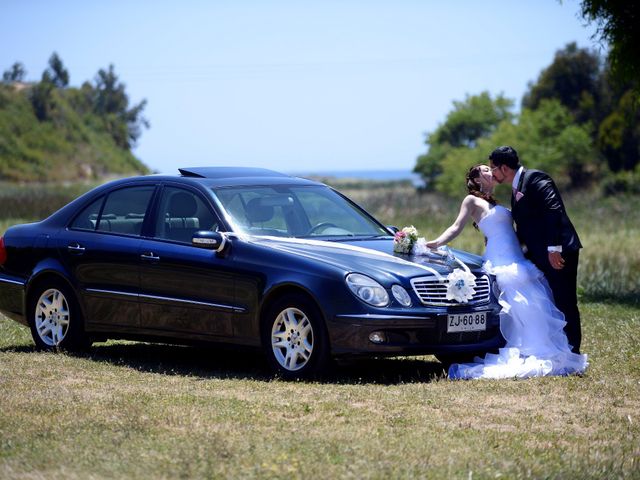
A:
x: 626, y: 181
x: 36, y: 201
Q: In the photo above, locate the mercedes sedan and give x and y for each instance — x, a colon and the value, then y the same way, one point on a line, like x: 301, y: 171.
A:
x: 239, y: 256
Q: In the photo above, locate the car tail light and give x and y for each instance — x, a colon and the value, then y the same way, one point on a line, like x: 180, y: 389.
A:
x: 3, y: 252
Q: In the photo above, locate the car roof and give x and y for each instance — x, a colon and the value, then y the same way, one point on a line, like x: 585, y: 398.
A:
x: 220, y: 177
x: 228, y: 172
x: 217, y: 177
x: 235, y: 176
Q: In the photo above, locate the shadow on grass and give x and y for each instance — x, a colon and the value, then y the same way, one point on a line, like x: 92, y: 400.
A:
x: 224, y: 362
x: 626, y: 299
x: 19, y: 349
x: 386, y: 371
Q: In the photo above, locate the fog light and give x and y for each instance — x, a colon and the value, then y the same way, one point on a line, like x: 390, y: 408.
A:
x: 377, y: 337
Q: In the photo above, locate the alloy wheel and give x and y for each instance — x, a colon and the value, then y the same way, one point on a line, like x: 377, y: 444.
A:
x: 292, y: 339
x: 52, y: 317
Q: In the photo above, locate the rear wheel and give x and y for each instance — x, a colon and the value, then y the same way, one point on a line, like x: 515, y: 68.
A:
x: 55, y: 318
x: 294, y: 337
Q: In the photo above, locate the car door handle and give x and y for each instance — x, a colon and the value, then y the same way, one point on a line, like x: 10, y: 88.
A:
x: 149, y: 256
x: 75, y: 248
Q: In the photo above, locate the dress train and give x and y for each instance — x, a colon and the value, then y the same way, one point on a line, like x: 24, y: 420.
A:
x: 533, y: 327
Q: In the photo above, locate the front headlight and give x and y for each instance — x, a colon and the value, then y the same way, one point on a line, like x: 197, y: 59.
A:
x: 401, y: 295
x: 367, y: 290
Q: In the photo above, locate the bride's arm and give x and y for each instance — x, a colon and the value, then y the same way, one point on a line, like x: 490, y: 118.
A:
x: 456, y: 228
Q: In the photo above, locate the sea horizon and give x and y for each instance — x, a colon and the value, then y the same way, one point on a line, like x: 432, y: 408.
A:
x: 365, y: 174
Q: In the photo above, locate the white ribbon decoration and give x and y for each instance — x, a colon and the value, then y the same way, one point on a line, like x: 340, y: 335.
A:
x: 353, y: 248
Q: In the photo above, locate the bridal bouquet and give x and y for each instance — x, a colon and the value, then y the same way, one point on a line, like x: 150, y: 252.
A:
x: 404, y: 239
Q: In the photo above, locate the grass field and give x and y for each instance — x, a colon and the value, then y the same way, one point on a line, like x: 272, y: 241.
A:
x: 134, y: 410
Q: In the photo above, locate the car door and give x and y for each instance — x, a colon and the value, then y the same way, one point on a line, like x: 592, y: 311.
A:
x: 101, y: 250
x: 185, y: 290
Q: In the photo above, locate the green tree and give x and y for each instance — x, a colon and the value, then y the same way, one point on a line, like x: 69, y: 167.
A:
x: 619, y: 25
x: 470, y: 120
x: 550, y: 140
x: 41, y: 96
x: 112, y: 103
x: 16, y: 73
x: 82, y: 99
x: 619, y: 134
x: 546, y: 138
x: 58, y: 74
x: 42, y: 93
x: 575, y: 79
x: 584, y: 84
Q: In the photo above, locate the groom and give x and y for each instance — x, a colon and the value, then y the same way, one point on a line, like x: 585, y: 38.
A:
x: 544, y: 228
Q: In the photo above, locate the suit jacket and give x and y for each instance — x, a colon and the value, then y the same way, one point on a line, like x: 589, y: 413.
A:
x: 540, y: 217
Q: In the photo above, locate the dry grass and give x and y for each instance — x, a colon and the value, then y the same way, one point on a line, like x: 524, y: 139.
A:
x: 152, y: 411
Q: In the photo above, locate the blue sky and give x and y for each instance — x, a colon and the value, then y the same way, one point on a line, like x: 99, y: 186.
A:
x: 291, y: 85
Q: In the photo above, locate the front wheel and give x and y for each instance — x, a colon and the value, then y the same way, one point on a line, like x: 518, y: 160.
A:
x: 55, y: 318
x: 294, y: 337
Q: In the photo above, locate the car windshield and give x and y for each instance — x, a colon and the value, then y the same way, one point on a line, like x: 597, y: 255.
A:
x: 295, y: 211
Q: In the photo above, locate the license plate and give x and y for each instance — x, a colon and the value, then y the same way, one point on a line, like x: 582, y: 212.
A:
x: 467, y: 322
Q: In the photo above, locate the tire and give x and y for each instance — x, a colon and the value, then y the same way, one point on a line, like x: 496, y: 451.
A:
x: 294, y: 338
x: 55, y: 318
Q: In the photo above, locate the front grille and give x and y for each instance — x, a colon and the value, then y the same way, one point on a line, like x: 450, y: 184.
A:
x: 432, y: 291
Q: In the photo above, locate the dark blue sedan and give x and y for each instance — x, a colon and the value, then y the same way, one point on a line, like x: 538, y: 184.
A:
x: 240, y: 256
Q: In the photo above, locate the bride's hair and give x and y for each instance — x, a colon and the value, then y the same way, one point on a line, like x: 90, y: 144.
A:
x: 474, y: 187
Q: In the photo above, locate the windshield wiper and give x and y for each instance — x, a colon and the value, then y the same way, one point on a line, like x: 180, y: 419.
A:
x: 363, y: 237
x: 373, y: 237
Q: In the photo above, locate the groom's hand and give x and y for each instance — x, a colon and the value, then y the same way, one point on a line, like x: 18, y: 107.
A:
x: 556, y: 260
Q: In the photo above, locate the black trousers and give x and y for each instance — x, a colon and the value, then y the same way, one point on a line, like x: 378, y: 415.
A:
x: 563, y: 284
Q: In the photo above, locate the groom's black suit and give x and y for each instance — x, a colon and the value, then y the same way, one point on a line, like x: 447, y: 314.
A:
x: 541, y: 221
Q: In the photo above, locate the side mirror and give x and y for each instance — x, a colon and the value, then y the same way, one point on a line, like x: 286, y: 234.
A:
x: 216, y: 241
x: 393, y: 229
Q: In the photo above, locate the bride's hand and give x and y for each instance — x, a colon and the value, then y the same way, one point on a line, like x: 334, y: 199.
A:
x: 432, y: 244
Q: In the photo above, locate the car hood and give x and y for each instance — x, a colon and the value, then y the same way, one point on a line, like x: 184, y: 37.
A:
x: 369, y: 256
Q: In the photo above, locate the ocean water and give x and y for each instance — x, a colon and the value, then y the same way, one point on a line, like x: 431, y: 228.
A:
x: 380, y: 175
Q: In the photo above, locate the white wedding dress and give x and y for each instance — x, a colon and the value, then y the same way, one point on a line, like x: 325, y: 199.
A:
x: 532, y: 326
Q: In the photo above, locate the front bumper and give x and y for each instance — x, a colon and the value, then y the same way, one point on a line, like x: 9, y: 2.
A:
x: 411, y: 334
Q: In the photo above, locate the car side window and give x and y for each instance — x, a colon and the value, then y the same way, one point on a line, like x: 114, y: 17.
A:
x: 87, y: 219
x: 181, y: 213
x: 125, y: 209
x: 261, y: 210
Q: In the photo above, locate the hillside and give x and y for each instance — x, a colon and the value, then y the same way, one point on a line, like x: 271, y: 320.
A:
x: 69, y: 142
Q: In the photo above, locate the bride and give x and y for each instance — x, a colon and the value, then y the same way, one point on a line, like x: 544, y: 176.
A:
x: 532, y: 326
